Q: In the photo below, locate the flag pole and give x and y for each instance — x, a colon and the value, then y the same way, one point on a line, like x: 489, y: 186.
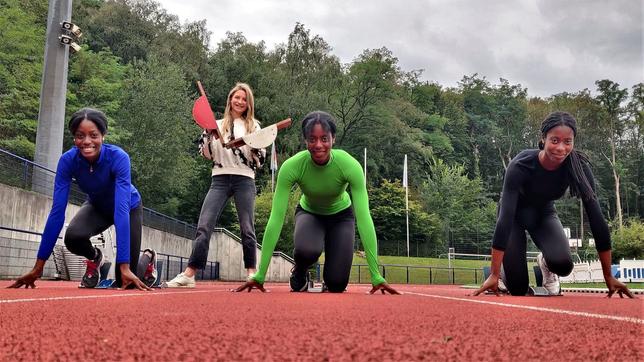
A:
x: 406, y: 186
x: 365, y: 165
x: 273, y: 166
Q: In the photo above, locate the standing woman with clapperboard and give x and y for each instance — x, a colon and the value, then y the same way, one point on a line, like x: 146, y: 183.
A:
x: 233, y: 175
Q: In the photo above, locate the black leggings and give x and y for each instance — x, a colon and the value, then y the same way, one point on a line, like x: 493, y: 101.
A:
x: 88, y: 222
x: 548, y: 235
x: 336, y: 234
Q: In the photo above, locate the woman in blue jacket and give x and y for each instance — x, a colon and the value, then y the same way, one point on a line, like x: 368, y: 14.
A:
x: 102, y: 171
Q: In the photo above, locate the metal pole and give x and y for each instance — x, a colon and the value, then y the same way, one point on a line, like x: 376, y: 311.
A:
x: 365, y: 165
x: 51, y: 114
x: 407, y: 216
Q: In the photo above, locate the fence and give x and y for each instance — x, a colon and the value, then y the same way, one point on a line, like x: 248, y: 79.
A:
x: 410, y: 274
x: 19, y: 172
x: 17, y: 256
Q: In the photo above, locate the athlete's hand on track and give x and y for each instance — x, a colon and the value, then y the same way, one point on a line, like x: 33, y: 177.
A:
x: 28, y: 280
x: 491, y: 284
x: 383, y: 287
x: 128, y: 278
x: 252, y: 283
x: 615, y: 285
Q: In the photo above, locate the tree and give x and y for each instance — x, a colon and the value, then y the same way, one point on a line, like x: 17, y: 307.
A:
x: 388, y: 210
x: 96, y: 80
x: 509, y: 115
x: 468, y: 217
x: 611, y: 98
x: 263, y: 205
x: 634, y: 158
x: 155, y: 118
x: 21, y: 55
x: 369, y: 81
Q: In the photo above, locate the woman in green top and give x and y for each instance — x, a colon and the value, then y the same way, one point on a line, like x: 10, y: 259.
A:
x: 324, y: 217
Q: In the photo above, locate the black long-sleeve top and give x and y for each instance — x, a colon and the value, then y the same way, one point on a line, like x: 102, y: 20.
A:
x: 528, y: 184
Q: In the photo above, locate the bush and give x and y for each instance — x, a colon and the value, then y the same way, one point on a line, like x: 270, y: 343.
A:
x: 628, y: 243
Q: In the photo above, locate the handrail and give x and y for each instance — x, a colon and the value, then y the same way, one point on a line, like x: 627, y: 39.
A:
x: 26, y: 160
x: 238, y: 239
x: 154, y: 212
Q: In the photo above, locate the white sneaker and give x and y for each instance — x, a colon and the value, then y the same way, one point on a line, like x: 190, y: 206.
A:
x: 501, y: 286
x: 180, y: 281
x: 550, y: 279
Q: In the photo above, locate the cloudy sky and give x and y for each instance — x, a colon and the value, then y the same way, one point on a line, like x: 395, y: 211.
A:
x: 548, y: 46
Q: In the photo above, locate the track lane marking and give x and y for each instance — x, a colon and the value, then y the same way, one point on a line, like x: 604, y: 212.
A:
x: 99, y: 296
x: 539, y: 309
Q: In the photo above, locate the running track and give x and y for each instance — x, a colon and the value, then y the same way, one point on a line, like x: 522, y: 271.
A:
x: 58, y: 321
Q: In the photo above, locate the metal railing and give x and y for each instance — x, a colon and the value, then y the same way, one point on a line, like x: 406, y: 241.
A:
x: 413, y: 274
x: 19, y: 172
x: 22, y: 257
x: 259, y: 246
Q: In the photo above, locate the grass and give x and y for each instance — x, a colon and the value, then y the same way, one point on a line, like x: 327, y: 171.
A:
x: 467, y: 272
x: 635, y: 285
x: 413, y: 270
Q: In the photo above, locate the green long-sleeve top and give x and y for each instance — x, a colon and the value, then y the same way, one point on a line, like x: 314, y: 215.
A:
x: 324, y: 192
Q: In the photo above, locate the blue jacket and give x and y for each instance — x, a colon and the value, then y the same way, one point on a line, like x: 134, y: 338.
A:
x: 108, y: 186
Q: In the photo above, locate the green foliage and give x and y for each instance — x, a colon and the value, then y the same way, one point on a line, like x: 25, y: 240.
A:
x: 628, y: 242
x: 388, y: 210
x: 468, y: 217
x: 20, y: 146
x: 21, y: 39
x: 156, y: 118
x: 263, y: 205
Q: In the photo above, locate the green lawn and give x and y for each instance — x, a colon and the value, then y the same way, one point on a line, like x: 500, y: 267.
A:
x: 402, y: 270
x: 599, y: 285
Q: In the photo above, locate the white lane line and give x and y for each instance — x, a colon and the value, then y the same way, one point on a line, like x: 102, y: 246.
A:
x: 539, y: 309
x: 99, y: 296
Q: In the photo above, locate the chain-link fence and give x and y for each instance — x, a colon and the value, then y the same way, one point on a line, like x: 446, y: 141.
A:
x: 19, y: 172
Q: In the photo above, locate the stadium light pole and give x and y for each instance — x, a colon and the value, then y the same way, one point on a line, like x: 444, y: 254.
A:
x: 51, y: 113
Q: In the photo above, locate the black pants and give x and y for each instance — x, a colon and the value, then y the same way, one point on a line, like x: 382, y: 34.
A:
x: 89, y: 222
x: 333, y: 233
x: 222, y: 187
x: 548, y: 235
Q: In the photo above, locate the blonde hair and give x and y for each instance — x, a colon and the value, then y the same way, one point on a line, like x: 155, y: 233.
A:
x: 249, y: 114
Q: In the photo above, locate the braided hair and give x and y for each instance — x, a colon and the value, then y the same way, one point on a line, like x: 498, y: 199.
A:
x: 324, y: 119
x: 579, y: 183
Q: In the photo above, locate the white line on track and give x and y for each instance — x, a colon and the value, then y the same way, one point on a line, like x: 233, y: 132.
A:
x: 539, y: 309
x: 99, y: 296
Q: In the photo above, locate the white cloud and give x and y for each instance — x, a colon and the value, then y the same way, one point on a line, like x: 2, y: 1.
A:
x: 548, y: 46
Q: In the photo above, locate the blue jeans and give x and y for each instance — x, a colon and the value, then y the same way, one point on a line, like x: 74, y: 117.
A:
x: 242, y: 189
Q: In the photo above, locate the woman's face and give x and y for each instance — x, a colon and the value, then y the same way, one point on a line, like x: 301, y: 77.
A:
x: 558, y: 144
x: 238, y: 103
x: 88, y: 139
x: 319, y: 144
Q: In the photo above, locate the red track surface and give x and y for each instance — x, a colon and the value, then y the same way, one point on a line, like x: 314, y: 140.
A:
x: 58, y: 321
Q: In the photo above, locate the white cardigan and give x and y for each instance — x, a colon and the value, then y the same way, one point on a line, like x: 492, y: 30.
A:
x: 225, y: 160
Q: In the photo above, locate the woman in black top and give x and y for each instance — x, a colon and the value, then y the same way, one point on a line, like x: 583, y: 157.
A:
x: 533, y: 180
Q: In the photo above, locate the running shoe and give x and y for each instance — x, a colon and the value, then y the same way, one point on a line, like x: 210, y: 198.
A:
x: 550, y: 279
x: 299, y: 280
x: 180, y: 281
x: 92, y: 274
